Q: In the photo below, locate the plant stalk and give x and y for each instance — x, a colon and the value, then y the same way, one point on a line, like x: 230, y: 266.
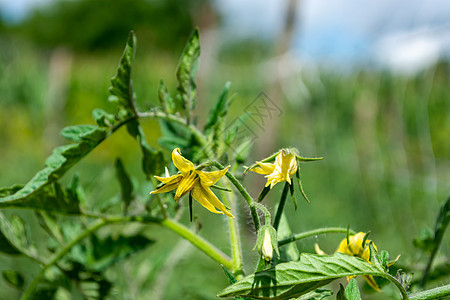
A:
x: 280, y: 208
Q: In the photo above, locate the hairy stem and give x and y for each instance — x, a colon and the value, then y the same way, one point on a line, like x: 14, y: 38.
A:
x: 436, y: 293
x: 314, y: 232
x: 236, y: 250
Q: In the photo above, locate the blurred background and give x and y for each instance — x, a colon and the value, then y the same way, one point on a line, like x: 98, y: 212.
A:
x: 364, y: 84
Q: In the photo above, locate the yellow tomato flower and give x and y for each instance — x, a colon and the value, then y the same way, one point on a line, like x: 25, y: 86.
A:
x: 196, y: 182
x: 354, y: 247
x: 283, y: 169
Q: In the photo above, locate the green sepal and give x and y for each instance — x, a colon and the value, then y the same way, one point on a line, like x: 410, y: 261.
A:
x: 273, y: 238
x: 263, y: 193
x: 230, y: 277
x: 126, y: 186
x: 363, y: 244
x: 300, y: 186
x: 294, y: 200
x: 306, y: 159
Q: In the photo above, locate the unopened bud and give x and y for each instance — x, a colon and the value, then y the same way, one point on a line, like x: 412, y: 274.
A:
x: 267, y: 249
x: 267, y: 242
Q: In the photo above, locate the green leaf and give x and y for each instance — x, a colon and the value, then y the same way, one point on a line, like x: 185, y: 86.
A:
x: 76, y: 133
x: 152, y: 160
x: 230, y: 276
x: 166, y: 101
x: 109, y: 251
x: 126, y: 187
x: 187, y: 68
x: 220, y: 109
x: 293, y: 279
x: 102, y: 118
x: 14, y: 236
x: 14, y: 278
x: 341, y: 294
x: 50, y: 224
x: 317, y: 294
x: 352, y: 290
x: 121, y: 89
x: 36, y: 193
x: 289, y: 252
x: 263, y: 193
x: 10, y: 190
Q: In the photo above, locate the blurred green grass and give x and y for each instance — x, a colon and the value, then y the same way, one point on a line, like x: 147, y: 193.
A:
x: 385, y: 139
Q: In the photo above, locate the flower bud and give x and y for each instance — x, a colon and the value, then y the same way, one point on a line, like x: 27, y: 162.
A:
x: 267, y: 242
x: 267, y: 249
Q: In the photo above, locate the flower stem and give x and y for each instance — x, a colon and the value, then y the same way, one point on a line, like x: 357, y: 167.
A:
x: 244, y: 193
x: 236, y: 250
x: 280, y: 208
x: 314, y: 232
x: 199, y: 242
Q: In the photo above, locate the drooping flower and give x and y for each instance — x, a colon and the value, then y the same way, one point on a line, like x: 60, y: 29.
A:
x: 283, y: 169
x: 354, y: 246
x: 195, y: 182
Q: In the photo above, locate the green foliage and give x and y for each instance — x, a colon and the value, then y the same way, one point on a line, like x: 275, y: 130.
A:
x: 121, y: 89
x: 293, y: 279
x: 42, y: 191
x: 88, y: 25
x: 167, y: 102
x: 14, y: 236
x: 186, y: 70
x: 13, y: 278
x: 103, y: 253
x: 75, y: 260
x: 126, y: 186
x: 352, y: 290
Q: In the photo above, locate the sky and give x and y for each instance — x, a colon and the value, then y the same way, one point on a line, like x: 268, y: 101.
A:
x: 405, y: 34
